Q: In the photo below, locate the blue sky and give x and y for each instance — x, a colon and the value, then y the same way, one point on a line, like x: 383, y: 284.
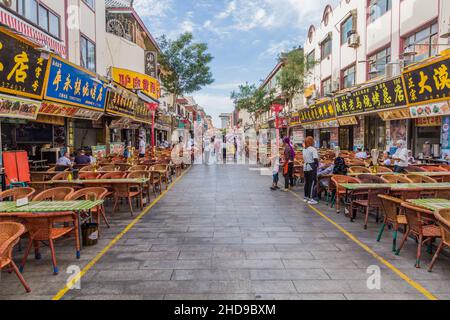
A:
x: 244, y: 36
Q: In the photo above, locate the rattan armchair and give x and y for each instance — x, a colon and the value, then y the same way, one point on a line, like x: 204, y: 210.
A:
x: 358, y: 169
x: 17, y: 193
x: 443, y: 218
x: 393, y: 216
x: 395, y: 178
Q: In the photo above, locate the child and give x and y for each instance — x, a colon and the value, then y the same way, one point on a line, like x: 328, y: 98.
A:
x: 275, y: 173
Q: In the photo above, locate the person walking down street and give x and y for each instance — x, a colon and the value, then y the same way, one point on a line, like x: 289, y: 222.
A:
x: 288, y: 169
x: 400, y: 157
x: 311, y: 159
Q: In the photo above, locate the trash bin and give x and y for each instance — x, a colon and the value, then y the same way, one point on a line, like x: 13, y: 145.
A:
x: 90, y: 234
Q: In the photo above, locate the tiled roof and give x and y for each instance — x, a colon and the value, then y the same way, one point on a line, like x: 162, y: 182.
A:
x: 118, y: 3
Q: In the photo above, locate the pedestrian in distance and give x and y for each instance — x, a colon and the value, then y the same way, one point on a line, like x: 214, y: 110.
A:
x: 311, y: 165
x: 275, y: 173
x: 288, y: 168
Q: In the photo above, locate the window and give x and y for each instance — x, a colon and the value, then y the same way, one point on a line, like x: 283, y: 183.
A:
x: 379, y: 61
x: 90, y: 3
x: 326, y: 87
x: 326, y: 48
x: 40, y: 16
x: 349, y: 77
x: 87, y: 54
x: 377, y: 8
x: 310, y: 59
x: 346, y: 29
x: 424, y: 43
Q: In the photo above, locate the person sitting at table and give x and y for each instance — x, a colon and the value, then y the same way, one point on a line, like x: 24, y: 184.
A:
x: 387, y: 158
x: 63, y: 162
x: 361, y: 154
x: 411, y: 159
x: 400, y: 157
x: 82, y: 158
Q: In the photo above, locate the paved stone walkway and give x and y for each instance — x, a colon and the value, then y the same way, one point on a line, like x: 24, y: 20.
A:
x: 220, y: 233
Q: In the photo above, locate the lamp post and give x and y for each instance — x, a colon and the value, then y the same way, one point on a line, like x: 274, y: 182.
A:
x: 277, y: 108
x: 153, y: 107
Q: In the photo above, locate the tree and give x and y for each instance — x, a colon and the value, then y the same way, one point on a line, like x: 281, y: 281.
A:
x: 252, y: 99
x: 185, y: 64
x: 292, y: 76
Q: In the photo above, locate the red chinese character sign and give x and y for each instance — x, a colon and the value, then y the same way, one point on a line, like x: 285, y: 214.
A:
x: 429, y: 82
x: 137, y: 81
x: 22, y: 69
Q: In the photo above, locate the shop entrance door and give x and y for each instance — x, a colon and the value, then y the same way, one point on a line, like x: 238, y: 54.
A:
x: 375, y: 133
x: 346, y: 138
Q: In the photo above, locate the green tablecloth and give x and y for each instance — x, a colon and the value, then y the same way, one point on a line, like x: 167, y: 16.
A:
x: 49, y: 206
x: 102, y: 181
x: 429, y: 186
x: 431, y: 204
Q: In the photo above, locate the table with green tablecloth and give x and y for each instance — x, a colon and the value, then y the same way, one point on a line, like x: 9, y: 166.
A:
x: 396, y: 186
x: 431, y: 204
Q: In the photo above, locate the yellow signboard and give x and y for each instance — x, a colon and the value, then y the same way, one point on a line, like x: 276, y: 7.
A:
x: 137, y: 81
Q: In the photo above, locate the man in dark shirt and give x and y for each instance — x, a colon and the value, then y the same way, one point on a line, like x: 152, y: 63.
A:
x: 82, y: 158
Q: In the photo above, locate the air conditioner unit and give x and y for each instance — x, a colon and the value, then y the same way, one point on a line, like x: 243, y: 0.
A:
x: 393, y: 69
x: 315, y: 95
x: 335, y: 86
x: 353, y: 40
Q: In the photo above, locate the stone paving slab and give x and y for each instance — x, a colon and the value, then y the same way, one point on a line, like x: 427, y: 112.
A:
x: 221, y: 234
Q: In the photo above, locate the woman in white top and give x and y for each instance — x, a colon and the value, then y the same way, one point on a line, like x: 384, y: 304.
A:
x: 311, y: 159
x: 400, y: 157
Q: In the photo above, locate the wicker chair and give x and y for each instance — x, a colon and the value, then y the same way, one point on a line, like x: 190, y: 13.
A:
x: 10, y: 233
x: 355, y: 163
x: 53, y: 169
x: 412, y: 169
x: 54, y: 194
x: 94, y: 193
x: 369, y: 178
x: 382, y: 169
x: 87, y: 168
x: 165, y: 176
x: 43, y: 227
x: 114, y: 175
x: 392, y: 209
x: 109, y: 168
x: 421, y: 226
x: 417, y: 178
x: 443, y: 218
x: 434, y: 169
x: 17, y: 193
x: 395, y: 178
x: 128, y: 192
x: 61, y: 176
x: 337, y: 180
x: 442, y: 194
x: 89, y: 175
x: 372, y: 202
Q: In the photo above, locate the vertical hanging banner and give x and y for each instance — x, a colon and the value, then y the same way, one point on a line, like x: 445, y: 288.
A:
x: 151, y: 64
x: 429, y: 82
x: 22, y: 68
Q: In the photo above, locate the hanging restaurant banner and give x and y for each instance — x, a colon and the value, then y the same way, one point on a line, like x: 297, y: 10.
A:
x: 429, y: 82
x: 151, y: 64
x: 12, y: 107
x: 22, y: 69
x: 69, y: 84
x: 122, y: 102
x: 381, y: 96
x: 54, y: 109
x: 294, y: 120
x: 134, y: 81
x: 321, y: 111
x: 430, y: 110
x: 143, y: 113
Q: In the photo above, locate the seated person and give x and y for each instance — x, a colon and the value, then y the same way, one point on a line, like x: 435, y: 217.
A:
x: 361, y: 154
x: 63, y: 162
x: 411, y: 159
x: 82, y: 158
x: 386, y: 159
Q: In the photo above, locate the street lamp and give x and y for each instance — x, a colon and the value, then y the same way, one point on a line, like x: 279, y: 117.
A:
x: 277, y: 108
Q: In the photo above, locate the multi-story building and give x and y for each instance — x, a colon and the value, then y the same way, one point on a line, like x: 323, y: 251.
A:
x: 362, y: 41
x: 226, y: 120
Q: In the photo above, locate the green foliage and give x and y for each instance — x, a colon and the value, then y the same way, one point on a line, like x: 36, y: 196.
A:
x: 186, y: 64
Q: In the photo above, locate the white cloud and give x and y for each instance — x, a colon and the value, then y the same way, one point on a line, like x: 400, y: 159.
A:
x: 225, y: 86
x: 153, y: 8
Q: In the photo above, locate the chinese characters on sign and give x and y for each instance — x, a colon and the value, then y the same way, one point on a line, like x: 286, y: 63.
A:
x: 294, y: 120
x: 143, y: 113
x: 151, y: 67
x: 428, y: 83
x: 321, y: 111
x: 137, y: 81
x: 69, y: 84
x: 122, y: 102
x: 22, y: 69
x: 381, y: 96
x: 54, y: 109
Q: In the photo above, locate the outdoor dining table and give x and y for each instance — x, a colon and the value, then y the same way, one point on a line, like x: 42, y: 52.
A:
x: 427, y: 174
x: 10, y: 209
x: 431, y: 204
x: 396, y: 186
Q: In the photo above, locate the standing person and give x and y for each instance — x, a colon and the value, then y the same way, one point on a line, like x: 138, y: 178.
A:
x: 400, y: 157
x: 275, y: 172
x: 142, y: 146
x: 288, y: 169
x: 311, y: 159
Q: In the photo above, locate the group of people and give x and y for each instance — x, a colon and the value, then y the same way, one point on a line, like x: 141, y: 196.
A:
x: 313, y: 170
x: 82, y: 158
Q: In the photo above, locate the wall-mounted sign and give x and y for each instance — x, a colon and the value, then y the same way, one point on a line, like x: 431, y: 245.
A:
x: 54, y: 109
x: 116, y: 148
x: 321, y: 125
x: 429, y: 122
x: 151, y: 64
x: 69, y: 84
x: 133, y: 80
x: 294, y: 120
x: 430, y: 110
x: 322, y: 111
x: 22, y: 69
x: 12, y: 107
x: 143, y: 113
x: 381, y: 96
x: 122, y: 102
x: 429, y: 82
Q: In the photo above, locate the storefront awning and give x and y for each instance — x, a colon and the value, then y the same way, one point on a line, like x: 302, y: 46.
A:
x: 322, y: 111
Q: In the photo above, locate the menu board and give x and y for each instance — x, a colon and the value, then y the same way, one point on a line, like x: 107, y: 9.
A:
x: 12, y: 107
x: 429, y: 82
x: 381, y: 96
x: 99, y: 151
x: 322, y: 111
x: 69, y: 84
x: 22, y: 69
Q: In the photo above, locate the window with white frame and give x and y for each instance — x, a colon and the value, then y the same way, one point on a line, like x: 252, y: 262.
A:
x: 326, y: 48
x: 326, y: 87
x: 346, y: 29
x: 87, y: 48
x: 40, y: 15
x: 349, y: 77
x: 310, y: 59
x: 379, y: 61
x: 377, y: 8
x: 423, y: 43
